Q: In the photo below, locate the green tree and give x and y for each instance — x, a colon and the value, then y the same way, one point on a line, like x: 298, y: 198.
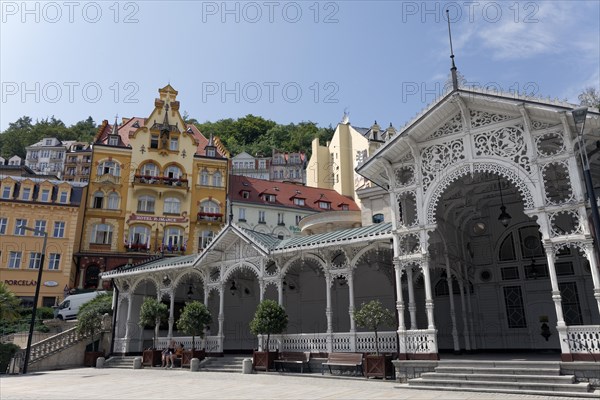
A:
x: 193, y: 320
x: 373, y: 315
x: 152, y: 314
x: 84, y: 130
x: 89, y: 317
x: 270, y: 319
x: 9, y: 304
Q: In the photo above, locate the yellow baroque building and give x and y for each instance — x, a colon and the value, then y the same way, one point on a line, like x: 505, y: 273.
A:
x: 44, y: 205
x: 157, y: 188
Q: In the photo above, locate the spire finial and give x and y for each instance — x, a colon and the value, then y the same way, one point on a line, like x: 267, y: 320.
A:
x: 115, y: 129
x: 453, y: 68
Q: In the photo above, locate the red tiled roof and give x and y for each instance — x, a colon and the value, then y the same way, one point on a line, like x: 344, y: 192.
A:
x: 285, y: 194
x: 128, y: 128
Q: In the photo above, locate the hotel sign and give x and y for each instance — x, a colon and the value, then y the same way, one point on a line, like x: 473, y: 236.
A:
x: 151, y: 218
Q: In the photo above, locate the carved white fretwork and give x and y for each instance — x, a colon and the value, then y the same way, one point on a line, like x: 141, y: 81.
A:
x: 483, y: 118
x: 498, y: 169
x: 550, y: 144
x: 438, y: 157
x: 454, y: 125
x: 507, y: 142
x: 404, y: 176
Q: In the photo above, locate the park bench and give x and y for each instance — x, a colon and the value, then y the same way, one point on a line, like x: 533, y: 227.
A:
x: 354, y: 360
x: 293, y: 358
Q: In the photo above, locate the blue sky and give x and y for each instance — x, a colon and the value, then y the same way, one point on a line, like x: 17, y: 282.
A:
x: 287, y: 61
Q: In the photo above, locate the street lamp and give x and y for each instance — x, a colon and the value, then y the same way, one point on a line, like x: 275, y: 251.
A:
x: 37, y: 291
x: 579, y: 115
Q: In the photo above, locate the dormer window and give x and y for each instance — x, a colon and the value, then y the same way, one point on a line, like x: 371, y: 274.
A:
x: 344, y: 207
x: 48, y: 142
x: 6, y: 192
x: 136, y: 124
x: 174, y: 144
x: 45, y: 196
x: 324, y: 205
x: 210, y: 151
x: 245, y: 194
x: 64, y: 196
x: 298, y: 201
x: 26, y: 194
x: 113, y: 140
x: 269, y: 197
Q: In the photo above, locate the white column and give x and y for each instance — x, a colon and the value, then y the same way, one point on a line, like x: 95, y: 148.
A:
x: 351, y: 302
x: 412, y: 306
x: 261, y: 289
x: 280, y: 292
x: 470, y: 309
x: 329, y: 313
x: 129, y: 325
x: 428, y: 296
x: 171, y: 313
x: 221, y: 315
x: 463, y: 308
x: 399, y: 295
x: 561, y: 327
x: 452, y: 309
x: 206, y: 293
x: 591, y: 257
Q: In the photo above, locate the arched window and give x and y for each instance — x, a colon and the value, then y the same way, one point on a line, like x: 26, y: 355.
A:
x: 139, y: 237
x: 109, y: 167
x: 102, y: 234
x: 173, y: 239
x: 146, y: 204
x: 173, y: 171
x: 217, y: 179
x: 150, y: 169
x: 172, y: 205
x: 98, y: 200
x: 204, y: 177
x: 209, y: 206
x: 113, y: 201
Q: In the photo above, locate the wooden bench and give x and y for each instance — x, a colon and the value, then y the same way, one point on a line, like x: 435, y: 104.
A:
x: 354, y: 360
x: 293, y: 358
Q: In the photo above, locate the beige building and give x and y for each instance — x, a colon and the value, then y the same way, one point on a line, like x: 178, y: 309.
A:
x: 46, y: 205
x: 332, y: 166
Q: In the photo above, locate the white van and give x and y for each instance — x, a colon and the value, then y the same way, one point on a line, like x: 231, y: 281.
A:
x: 69, y: 307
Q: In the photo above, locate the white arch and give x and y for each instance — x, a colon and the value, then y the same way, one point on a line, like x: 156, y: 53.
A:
x: 239, y: 266
x: 186, y: 273
x: 513, y: 172
x: 151, y: 279
x: 302, y: 257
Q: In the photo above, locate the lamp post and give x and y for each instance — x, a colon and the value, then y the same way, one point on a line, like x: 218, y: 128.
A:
x: 36, y: 296
x: 579, y: 115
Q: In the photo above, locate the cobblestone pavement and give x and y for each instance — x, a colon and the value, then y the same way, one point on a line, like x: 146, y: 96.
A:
x: 116, y: 384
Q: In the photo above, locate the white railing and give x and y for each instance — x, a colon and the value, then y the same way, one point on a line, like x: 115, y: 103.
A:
x: 210, y: 343
x: 388, y: 342
x: 420, y: 341
x: 340, y: 342
x: 584, y: 338
x: 54, y: 344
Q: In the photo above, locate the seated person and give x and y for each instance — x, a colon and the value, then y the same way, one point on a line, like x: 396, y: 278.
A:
x: 167, y: 353
x: 177, y: 354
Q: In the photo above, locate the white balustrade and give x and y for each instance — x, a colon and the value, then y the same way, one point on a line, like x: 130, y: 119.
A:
x: 54, y: 344
x: 210, y: 343
x: 420, y: 341
x: 584, y: 338
x: 365, y: 342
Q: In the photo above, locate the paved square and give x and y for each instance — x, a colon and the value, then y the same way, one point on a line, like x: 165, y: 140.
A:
x: 114, y: 384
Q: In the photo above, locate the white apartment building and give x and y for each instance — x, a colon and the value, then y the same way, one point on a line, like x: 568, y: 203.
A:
x: 47, y: 156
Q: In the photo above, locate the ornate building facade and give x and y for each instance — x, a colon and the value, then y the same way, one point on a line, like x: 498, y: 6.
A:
x: 157, y: 188
x: 489, y: 247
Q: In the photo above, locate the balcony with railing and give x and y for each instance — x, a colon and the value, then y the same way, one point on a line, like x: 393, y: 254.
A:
x: 137, y: 247
x: 210, y: 217
x: 161, y: 180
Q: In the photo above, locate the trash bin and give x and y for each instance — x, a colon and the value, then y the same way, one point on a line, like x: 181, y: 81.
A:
x: 195, y: 364
x: 247, y: 366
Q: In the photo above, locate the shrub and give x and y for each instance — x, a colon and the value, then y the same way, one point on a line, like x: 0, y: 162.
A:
x: 270, y: 318
x: 7, y: 351
x: 193, y: 320
x: 372, y: 315
x: 153, y: 313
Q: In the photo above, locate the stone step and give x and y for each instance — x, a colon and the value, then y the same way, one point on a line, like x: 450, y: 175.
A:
x: 546, y: 387
x: 586, y: 395
x: 498, y: 370
x: 499, y: 377
x: 500, y: 364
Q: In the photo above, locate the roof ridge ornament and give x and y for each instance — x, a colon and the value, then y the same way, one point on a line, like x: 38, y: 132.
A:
x: 453, y: 68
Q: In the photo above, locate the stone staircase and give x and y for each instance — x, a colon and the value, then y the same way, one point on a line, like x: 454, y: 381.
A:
x: 231, y: 364
x: 125, y: 362
x: 517, y: 377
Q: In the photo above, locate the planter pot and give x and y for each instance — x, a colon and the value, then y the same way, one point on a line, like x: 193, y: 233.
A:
x: 263, y: 360
x: 89, y: 358
x: 151, y: 358
x: 379, y: 366
x: 189, y: 354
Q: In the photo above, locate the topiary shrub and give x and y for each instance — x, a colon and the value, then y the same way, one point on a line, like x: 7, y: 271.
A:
x: 270, y: 318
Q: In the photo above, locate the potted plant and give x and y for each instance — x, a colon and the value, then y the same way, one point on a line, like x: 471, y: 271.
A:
x: 194, y: 319
x: 270, y: 318
x: 373, y: 315
x: 89, y: 323
x: 152, y: 313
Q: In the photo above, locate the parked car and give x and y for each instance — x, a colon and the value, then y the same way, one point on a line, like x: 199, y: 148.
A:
x: 69, y: 307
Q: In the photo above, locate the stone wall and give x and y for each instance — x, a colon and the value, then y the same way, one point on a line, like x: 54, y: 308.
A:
x: 409, y: 369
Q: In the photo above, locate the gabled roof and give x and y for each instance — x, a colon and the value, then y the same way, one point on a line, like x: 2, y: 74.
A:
x: 263, y: 243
